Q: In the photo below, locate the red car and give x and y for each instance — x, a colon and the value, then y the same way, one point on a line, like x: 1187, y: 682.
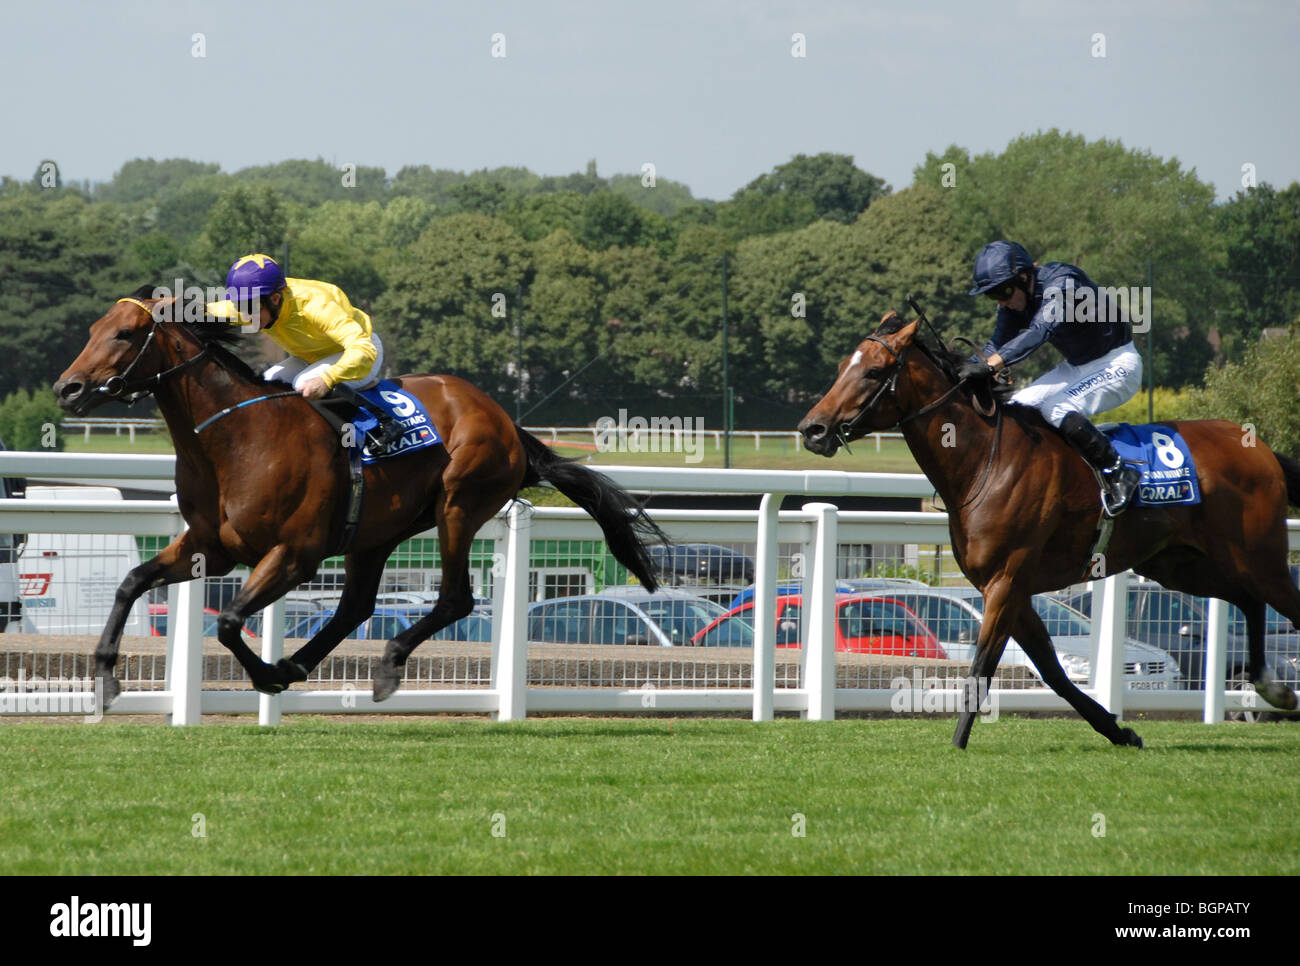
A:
x: 864, y: 624
x: 158, y: 623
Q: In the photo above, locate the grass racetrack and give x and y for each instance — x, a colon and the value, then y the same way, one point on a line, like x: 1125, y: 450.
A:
x: 623, y: 796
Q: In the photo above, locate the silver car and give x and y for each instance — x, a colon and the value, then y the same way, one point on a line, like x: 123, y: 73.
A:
x: 622, y: 615
x: 954, y: 615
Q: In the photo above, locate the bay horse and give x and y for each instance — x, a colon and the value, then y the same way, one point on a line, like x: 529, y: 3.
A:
x: 265, y: 486
x: 1023, y: 507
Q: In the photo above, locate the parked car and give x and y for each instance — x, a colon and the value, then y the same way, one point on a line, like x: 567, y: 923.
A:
x: 845, y: 585
x: 701, y: 563
x: 1178, y: 623
x: 956, y: 613
x: 864, y: 624
x: 389, y: 621
x: 678, y: 614
x: 622, y: 616
x: 158, y: 623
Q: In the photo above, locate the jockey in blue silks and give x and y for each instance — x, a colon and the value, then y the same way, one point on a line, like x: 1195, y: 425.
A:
x: 1058, y: 303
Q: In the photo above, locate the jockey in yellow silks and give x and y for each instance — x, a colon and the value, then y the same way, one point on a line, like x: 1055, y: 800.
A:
x: 333, y: 350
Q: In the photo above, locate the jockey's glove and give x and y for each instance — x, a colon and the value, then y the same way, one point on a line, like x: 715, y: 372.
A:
x: 976, y: 369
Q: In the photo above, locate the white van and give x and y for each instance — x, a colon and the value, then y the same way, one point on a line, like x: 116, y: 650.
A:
x: 68, y: 581
x: 12, y: 619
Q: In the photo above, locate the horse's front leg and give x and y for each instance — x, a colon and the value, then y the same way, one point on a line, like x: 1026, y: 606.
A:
x: 274, y: 576
x: 173, y: 564
x: 999, y: 614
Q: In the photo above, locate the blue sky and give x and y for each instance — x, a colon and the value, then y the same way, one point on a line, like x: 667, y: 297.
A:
x: 706, y: 91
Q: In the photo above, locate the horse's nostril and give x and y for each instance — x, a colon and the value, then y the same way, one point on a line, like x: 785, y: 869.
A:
x: 814, y: 431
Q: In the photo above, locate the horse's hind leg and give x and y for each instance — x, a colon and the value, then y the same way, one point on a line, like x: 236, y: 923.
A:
x: 1285, y: 598
x: 365, y: 569
x: 173, y: 564
x: 1037, y: 643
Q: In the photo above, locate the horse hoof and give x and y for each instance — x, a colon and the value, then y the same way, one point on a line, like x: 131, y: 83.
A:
x: 1277, y: 694
x: 386, y: 682
x: 110, y: 689
x: 1131, y: 739
x: 291, y: 671
x: 269, y: 687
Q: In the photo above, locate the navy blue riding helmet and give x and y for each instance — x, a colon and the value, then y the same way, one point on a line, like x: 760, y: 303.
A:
x: 999, y: 262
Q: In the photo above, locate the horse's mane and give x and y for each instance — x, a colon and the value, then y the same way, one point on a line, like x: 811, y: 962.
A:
x: 219, y: 337
x: 949, y: 360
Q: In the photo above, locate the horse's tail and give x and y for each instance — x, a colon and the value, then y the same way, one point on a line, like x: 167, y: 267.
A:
x: 626, y: 526
x: 1290, y: 470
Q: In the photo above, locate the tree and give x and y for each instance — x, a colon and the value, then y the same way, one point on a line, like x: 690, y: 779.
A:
x: 439, y: 304
x: 538, y: 215
x: 607, y: 220
x: 1259, y: 392
x: 246, y: 218
x: 62, y: 264
x: 837, y: 188
x: 1108, y: 209
x: 144, y: 179
x: 1261, y: 230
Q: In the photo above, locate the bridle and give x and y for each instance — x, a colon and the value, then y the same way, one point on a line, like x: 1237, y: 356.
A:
x: 890, y: 384
x: 119, y: 386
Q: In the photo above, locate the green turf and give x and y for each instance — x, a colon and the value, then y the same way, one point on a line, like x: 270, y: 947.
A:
x: 646, y: 796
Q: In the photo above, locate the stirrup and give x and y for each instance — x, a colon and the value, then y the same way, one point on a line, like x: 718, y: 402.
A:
x: 1115, y: 495
x: 388, y: 431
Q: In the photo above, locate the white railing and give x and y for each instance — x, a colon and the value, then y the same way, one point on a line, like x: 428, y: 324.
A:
x: 628, y: 437
x: 817, y: 527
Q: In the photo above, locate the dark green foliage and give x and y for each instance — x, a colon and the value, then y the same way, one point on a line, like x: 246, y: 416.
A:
x: 620, y: 282
x: 29, y: 420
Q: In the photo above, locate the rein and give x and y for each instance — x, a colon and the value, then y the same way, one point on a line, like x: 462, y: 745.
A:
x: 118, y: 386
x: 889, y: 385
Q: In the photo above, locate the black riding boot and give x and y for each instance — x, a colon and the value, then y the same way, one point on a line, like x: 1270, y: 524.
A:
x: 1118, y: 480
x: 382, y: 436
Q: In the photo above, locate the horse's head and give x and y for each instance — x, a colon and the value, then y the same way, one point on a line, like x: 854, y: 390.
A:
x: 127, y: 353
x: 863, y: 399
x: 120, y: 346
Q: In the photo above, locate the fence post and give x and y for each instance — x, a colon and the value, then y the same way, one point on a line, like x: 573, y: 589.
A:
x: 268, y: 705
x: 819, y: 622
x: 510, y: 646
x: 1112, y: 618
x: 763, y: 672
x: 1216, y: 660
x: 185, y: 651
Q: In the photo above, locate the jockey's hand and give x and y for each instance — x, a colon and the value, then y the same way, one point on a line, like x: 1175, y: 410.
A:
x: 975, y: 369
x: 314, y: 389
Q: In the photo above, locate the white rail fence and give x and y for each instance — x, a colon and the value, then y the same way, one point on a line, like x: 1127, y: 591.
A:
x: 636, y: 438
x: 817, y: 527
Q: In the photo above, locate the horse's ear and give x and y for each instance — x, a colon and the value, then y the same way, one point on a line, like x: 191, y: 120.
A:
x: 904, y: 334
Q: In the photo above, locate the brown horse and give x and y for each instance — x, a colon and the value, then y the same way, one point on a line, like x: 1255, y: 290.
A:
x: 1023, y: 508
x: 265, y: 486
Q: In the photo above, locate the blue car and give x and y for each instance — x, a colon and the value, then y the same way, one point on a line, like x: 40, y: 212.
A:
x: 387, y: 622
